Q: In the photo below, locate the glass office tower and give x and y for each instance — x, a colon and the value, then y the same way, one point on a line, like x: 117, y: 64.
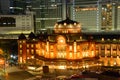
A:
x: 94, y: 15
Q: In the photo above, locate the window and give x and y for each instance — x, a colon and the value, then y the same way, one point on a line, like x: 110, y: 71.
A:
x: 32, y: 45
x: 28, y: 51
x: 20, y: 41
x: 20, y: 51
x: 32, y: 51
x: 24, y: 41
x: 51, y: 47
x: 7, y: 22
x: 20, y: 59
x: 70, y: 47
x: 71, y: 56
x: 37, y: 45
x: 52, y: 55
x: 61, y: 54
x: 27, y: 45
x: 78, y: 47
x: 114, y: 47
x: 102, y: 46
x: 20, y: 46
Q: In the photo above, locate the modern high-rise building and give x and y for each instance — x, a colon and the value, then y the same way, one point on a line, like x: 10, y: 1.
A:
x: 98, y: 15
x: 4, y: 6
x: 95, y: 15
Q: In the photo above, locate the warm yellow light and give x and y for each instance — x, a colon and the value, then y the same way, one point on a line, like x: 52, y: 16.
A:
x: 28, y: 58
x: 71, y: 55
x: 70, y: 48
x: 20, y: 59
x: 115, y: 63
x: 47, y: 46
x: 60, y: 26
x: 117, y: 57
x: 87, y: 66
x: 65, y: 24
x: 61, y: 41
x: 1, y: 51
x: 102, y: 39
x: 1, y: 61
x: 52, y: 54
x: 75, y: 50
x: 31, y: 68
x: 70, y: 26
x: 92, y: 53
x: 61, y: 67
x: 32, y: 57
x: 75, y: 24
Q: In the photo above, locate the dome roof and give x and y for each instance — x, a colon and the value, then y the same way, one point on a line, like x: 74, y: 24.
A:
x: 22, y: 36
x: 67, y: 21
x: 67, y: 26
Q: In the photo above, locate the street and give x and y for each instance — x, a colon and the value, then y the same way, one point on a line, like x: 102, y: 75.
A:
x: 14, y: 73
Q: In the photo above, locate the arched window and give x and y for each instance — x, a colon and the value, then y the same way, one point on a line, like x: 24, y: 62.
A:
x: 61, y: 47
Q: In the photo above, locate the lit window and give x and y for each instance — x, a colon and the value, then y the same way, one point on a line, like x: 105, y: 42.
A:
x: 27, y: 45
x: 51, y: 47
x: 114, y: 39
x: 20, y: 59
x: 80, y: 37
x: 20, y: 46
x: 37, y: 51
x: 108, y: 39
x: 32, y: 45
x: 32, y: 51
x: 28, y: 51
x: 20, y: 51
x: 28, y: 58
x: 92, y: 45
x: 102, y: 39
x: 37, y: 45
x: 61, y: 39
x: 70, y: 48
x: 92, y: 52
x: 32, y: 57
x: 52, y: 55
x: 24, y: 41
x: 71, y: 55
x: 20, y: 41
x: 78, y: 54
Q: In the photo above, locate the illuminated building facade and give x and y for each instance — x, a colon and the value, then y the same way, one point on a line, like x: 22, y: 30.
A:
x: 68, y: 47
x: 108, y: 49
x: 64, y: 47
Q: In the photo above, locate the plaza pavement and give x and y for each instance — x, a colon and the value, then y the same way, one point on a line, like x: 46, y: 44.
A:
x: 14, y: 73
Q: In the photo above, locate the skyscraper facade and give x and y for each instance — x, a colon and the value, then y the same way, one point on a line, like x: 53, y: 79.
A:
x: 4, y: 6
x: 95, y: 15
